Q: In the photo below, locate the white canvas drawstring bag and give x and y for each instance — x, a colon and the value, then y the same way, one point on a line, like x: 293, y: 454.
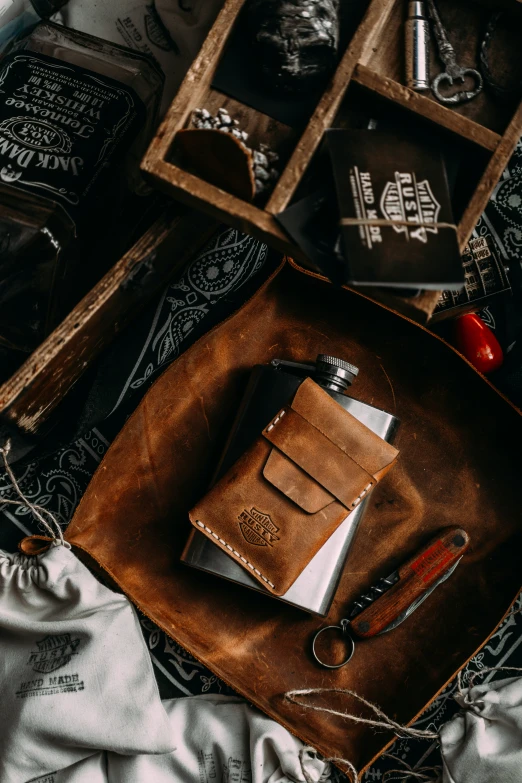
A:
x: 75, y: 673
x: 483, y: 743
x: 218, y: 738
x: 90, y: 770
x: 222, y: 738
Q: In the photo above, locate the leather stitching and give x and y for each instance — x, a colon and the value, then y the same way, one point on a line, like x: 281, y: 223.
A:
x: 235, y: 552
x: 360, y: 497
x: 278, y: 418
x: 240, y: 556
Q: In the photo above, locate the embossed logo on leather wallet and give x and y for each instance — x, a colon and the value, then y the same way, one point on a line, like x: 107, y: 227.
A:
x: 279, y: 503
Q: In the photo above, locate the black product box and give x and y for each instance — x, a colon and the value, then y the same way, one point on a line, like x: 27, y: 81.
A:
x: 384, y: 179
x: 485, y: 278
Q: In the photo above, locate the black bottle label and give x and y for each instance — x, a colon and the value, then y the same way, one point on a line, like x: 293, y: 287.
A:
x: 61, y: 127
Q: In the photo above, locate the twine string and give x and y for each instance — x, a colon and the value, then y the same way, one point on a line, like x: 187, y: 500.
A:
x: 467, y: 700
x: 385, y: 222
x: 423, y: 774
x: 349, y: 767
x: 385, y: 722
x: 326, y: 773
x: 52, y: 527
x: 426, y: 774
x: 307, y: 749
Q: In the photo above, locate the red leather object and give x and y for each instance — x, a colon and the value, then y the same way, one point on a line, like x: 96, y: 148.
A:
x: 477, y: 342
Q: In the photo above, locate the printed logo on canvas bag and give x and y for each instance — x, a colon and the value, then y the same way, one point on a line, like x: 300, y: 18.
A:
x: 257, y: 528
x: 233, y: 770
x: 53, y: 653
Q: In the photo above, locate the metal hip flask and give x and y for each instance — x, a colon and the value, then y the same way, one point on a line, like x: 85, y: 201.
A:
x: 270, y: 388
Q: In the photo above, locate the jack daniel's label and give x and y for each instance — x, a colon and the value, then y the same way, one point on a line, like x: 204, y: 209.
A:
x: 382, y: 177
x: 61, y: 127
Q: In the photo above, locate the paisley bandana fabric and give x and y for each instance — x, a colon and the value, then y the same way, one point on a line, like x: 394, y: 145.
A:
x: 502, y: 219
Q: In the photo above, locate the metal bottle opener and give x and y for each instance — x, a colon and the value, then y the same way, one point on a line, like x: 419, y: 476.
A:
x: 453, y: 72
x: 389, y: 602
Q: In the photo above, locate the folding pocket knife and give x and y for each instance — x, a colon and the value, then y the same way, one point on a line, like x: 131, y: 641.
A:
x: 392, y: 599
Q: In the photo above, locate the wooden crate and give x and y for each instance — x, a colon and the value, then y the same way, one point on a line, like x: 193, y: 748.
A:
x: 30, y: 397
x: 372, y: 65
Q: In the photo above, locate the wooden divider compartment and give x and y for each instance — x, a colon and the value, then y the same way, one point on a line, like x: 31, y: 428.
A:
x: 374, y: 60
x: 29, y: 399
x: 466, y: 22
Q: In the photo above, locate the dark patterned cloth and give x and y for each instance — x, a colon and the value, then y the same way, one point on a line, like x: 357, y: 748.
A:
x: 214, y: 285
x: 502, y: 221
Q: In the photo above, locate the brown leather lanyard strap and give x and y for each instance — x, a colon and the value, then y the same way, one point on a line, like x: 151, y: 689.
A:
x: 314, y: 453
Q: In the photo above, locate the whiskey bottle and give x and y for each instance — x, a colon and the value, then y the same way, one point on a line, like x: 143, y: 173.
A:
x: 75, y: 116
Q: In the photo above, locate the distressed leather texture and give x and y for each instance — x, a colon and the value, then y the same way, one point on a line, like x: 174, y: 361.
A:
x: 459, y: 465
x: 278, y: 504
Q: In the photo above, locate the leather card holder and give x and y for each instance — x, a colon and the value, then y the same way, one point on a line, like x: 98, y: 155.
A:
x: 287, y: 494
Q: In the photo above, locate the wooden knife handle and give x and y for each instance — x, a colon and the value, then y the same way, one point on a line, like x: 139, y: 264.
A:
x: 415, y: 577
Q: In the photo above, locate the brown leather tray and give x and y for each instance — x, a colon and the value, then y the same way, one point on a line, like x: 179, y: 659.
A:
x: 459, y: 465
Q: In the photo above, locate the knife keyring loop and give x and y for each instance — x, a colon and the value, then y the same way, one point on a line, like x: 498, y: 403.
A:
x: 393, y: 599
x: 343, y: 628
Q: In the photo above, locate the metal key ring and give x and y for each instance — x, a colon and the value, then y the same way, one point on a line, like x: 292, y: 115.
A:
x: 343, y: 627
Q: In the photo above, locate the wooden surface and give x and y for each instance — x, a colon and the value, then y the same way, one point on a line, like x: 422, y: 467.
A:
x: 194, y: 86
x: 195, y: 192
x: 465, y: 21
x: 423, y: 106
x: 369, y: 30
x: 374, y: 59
x: 28, y: 398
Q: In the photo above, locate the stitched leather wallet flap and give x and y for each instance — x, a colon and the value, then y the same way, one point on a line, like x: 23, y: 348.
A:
x: 279, y: 503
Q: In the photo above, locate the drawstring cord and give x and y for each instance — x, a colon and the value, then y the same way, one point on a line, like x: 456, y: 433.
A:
x: 52, y: 526
x: 464, y: 699
x: 385, y: 721
x: 425, y: 774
